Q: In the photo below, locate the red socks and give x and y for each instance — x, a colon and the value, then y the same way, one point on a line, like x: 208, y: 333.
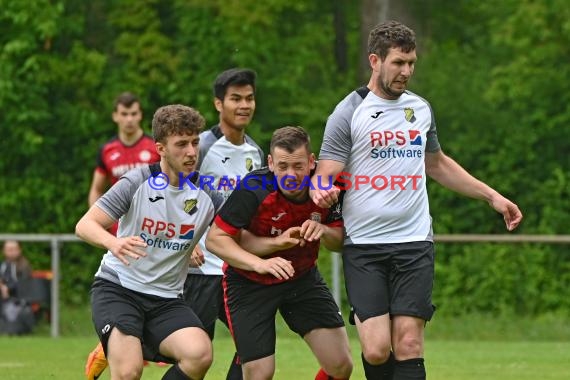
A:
x: 322, y: 375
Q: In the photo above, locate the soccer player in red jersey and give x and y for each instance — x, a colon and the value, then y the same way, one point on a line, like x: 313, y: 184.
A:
x: 276, y: 269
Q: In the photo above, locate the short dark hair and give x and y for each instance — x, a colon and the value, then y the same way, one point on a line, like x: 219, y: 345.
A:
x: 126, y: 99
x: 290, y: 139
x: 176, y: 119
x: 390, y: 34
x: 231, y: 77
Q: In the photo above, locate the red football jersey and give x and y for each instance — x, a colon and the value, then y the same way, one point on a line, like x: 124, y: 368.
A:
x: 258, y: 206
x: 116, y: 158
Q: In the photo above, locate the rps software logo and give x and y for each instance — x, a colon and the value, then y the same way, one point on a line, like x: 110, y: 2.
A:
x: 396, y: 144
x: 157, y: 233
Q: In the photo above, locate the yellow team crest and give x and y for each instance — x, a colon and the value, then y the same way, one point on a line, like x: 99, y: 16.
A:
x: 190, y: 206
x: 249, y: 164
x: 409, y: 112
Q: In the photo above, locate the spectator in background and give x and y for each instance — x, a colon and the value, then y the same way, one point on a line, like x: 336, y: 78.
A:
x: 13, y: 270
x: 16, y: 316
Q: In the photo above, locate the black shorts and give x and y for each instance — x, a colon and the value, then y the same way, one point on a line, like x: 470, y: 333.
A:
x: 204, y: 294
x: 305, y: 304
x: 390, y: 278
x: 150, y: 318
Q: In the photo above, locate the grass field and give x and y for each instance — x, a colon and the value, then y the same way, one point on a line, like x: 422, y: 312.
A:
x: 480, y: 354
x: 62, y: 359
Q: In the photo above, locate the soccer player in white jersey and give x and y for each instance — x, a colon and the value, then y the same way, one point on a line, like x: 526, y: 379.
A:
x: 137, y: 293
x: 227, y: 154
x: 382, y: 140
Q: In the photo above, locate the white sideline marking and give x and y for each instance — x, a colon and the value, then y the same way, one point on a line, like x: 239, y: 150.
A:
x: 11, y: 364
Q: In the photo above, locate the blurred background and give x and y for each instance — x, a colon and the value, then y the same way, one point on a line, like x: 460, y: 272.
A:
x: 495, y: 72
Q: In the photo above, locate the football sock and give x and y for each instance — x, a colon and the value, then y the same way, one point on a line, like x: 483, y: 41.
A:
x: 234, y: 372
x: 384, y: 371
x: 175, y: 373
x: 411, y: 369
x: 322, y: 375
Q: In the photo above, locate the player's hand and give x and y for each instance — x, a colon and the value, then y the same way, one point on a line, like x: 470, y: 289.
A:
x: 197, y: 258
x: 290, y: 238
x: 511, y: 213
x: 324, y: 198
x: 276, y: 266
x: 128, y: 247
x: 311, y: 231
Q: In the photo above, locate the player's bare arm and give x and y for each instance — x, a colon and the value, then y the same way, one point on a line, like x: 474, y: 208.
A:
x: 92, y: 228
x: 450, y: 174
x: 226, y: 247
x: 322, y: 192
x: 99, y: 185
x: 264, y: 246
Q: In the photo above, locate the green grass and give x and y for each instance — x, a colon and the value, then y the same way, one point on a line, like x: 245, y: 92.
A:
x: 467, y: 348
x: 63, y: 359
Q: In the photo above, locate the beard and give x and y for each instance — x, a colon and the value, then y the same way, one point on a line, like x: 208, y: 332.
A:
x: 391, y: 93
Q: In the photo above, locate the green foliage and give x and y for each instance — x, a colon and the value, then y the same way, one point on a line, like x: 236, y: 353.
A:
x: 495, y: 77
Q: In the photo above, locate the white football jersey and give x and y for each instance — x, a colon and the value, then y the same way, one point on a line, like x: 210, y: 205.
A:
x: 382, y: 144
x: 171, y: 222
x: 223, y: 164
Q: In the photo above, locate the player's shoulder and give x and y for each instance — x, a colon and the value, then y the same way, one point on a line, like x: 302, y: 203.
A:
x: 259, y: 175
x: 141, y: 174
x: 110, y: 143
x: 350, y: 103
x: 261, y: 181
x: 412, y: 97
x: 146, y: 138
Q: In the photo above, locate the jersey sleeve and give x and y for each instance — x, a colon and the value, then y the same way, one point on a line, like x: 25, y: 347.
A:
x: 337, y: 140
x: 238, y: 211
x: 117, y: 200
x: 432, y: 142
x: 100, y: 165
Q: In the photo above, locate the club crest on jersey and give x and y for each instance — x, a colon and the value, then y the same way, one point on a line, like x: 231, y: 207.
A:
x: 409, y: 112
x: 190, y: 206
x: 316, y: 216
x: 145, y: 155
x: 249, y: 164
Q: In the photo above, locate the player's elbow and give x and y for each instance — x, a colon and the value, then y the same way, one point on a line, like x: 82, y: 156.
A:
x: 212, y: 241
x: 80, y: 228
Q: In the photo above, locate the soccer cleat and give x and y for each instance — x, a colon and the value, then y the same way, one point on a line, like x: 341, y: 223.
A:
x: 96, y: 363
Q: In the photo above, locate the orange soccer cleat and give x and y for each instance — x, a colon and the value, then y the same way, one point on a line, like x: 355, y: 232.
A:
x: 96, y: 363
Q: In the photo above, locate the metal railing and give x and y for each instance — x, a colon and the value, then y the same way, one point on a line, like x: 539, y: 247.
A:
x: 456, y: 238
x: 56, y: 241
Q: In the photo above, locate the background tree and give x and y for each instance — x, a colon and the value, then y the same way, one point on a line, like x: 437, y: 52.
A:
x: 496, y: 77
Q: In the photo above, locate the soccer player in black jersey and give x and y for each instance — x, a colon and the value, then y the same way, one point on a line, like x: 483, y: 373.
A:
x: 277, y: 270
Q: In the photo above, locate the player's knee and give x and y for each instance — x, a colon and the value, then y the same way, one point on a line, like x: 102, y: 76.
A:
x: 409, y: 347
x: 200, y: 363
x: 258, y: 370
x: 341, y: 369
x: 127, y: 371
x: 376, y: 355
x: 196, y: 362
